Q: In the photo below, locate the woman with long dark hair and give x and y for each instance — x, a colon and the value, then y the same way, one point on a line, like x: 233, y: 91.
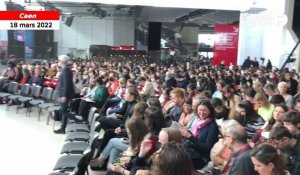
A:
x: 268, y: 160
x: 202, y: 136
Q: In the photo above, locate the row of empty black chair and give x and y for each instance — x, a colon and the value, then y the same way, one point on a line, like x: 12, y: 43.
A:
x: 31, y: 96
x: 81, y: 139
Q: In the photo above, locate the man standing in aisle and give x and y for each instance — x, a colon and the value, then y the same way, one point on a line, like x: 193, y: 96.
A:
x: 65, y: 90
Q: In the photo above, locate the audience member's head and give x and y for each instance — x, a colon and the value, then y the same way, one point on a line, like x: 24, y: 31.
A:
x: 130, y: 82
x: 191, y: 89
x: 281, y: 136
x: 296, y: 104
x: 172, y: 159
x: 270, y: 89
x: 277, y: 99
x: 132, y: 94
x: 167, y: 135
x: 177, y: 96
x: 249, y: 94
x: 154, y: 119
x: 166, y: 92
x: 222, y: 111
x: 122, y: 82
x: 226, y: 124
x: 267, y: 159
x: 261, y: 100
x: 154, y: 102
x: 132, y: 126
x: 205, y: 110
x: 139, y: 109
x: 99, y: 81
x: 220, y: 85
x: 292, y: 122
x: 235, y: 137
x: 257, y: 86
x: 282, y: 88
x: 187, y: 105
x: 207, y: 94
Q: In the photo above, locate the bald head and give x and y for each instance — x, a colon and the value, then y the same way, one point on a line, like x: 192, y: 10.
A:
x: 238, y: 133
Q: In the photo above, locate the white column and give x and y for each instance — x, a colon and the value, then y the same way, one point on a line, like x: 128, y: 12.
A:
x: 265, y: 34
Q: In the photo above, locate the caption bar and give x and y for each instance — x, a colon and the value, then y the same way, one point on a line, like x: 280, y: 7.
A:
x: 29, y: 20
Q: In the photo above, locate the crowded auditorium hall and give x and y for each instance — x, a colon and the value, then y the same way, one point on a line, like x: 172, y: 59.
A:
x: 119, y: 87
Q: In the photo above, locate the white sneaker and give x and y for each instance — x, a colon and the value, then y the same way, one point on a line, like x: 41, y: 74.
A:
x: 78, y: 117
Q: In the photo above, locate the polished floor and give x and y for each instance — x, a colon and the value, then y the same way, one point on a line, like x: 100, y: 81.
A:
x: 28, y: 146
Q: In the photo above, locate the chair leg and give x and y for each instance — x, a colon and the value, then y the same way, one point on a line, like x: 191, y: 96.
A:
x: 29, y: 111
x: 40, y: 110
x: 17, y: 109
x: 48, y: 118
x: 53, y: 126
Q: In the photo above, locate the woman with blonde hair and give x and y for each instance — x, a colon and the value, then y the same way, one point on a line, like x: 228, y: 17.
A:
x: 264, y: 108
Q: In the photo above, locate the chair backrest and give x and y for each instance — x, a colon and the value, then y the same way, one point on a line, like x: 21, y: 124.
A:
x: 47, y: 93
x: 36, y: 91
x: 13, y: 87
x: 95, y: 118
x: 55, y: 97
x: 92, y: 111
x: 25, y: 89
x: 82, y: 166
x: 93, y: 131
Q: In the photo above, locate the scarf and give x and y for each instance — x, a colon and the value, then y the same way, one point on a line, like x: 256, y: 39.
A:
x: 199, y: 123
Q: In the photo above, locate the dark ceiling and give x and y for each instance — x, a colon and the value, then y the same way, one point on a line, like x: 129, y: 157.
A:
x: 156, y: 14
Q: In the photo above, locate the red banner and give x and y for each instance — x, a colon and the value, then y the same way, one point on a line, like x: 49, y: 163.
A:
x: 29, y: 15
x: 226, y: 44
